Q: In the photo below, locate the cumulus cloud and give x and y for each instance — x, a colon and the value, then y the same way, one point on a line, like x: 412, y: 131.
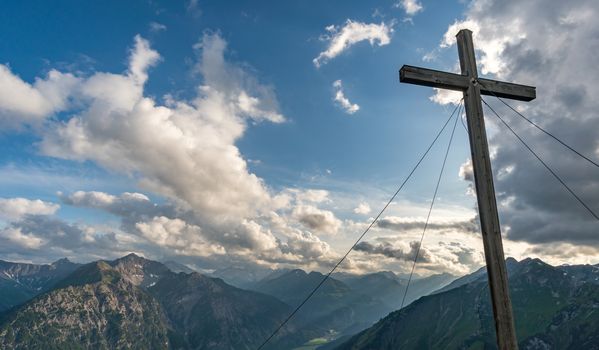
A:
x: 316, y: 219
x: 15, y: 208
x: 15, y: 235
x: 362, y: 208
x: 184, y: 151
x: 400, y: 224
x: 526, y: 43
x: 176, y: 234
x: 342, y: 101
x: 125, y: 204
x: 42, y: 234
x: 452, y: 257
x: 165, y: 230
x: 342, y: 38
x: 466, y: 173
x: 131, y: 208
x: 459, y: 257
x: 446, y: 97
x: 32, y: 231
x: 309, y: 195
x: 390, y: 251
x: 411, y: 7
x: 23, y: 103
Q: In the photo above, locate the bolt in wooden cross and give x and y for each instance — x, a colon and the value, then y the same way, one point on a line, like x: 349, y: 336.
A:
x: 472, y: 86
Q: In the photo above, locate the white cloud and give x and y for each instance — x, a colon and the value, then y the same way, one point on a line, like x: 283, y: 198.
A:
x: 157, y: 27
x: 402, y: 224
x: 390, y: 251
x: 342, y: 38
x: 238, y: 90
x: 411, y: 7
x: 310, y: 195
x: 15, y: 208
x: 466, y: 173
x: 16, y: 236
x: 490, y: 42
x: 24, y: 103
x: 91, y: 199
x: 184, y: 151
x: 316, y: 219
x: 342, y: 101
x: 141, y: 58
x: 215, y: 210
x: 362, y: 208
x: 176, y: 234
x: 445, y: 97
x: 35, y: 235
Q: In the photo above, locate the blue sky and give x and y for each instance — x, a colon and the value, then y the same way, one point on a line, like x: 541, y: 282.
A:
x: 268, y: 52
x: 365, y: 147
x: 280, y: 47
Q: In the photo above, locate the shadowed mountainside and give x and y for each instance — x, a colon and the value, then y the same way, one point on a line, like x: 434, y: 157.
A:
x: 554, y: 307
x: 20, y: 282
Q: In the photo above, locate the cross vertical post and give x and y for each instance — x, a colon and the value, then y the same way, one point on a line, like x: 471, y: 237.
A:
x: 472, y: 87
x: 485, y: 193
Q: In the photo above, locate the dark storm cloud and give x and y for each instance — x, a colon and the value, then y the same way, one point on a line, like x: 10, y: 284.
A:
x: 552, y: 45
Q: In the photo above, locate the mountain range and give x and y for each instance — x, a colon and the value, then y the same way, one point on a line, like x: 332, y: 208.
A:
x: 136, y: 303
x: 389, y: 288
x: 554, y: 308
x: 133, y: 302
x: 20, y: 282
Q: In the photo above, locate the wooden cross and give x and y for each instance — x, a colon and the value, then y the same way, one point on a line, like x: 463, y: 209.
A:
x: 472, y: 86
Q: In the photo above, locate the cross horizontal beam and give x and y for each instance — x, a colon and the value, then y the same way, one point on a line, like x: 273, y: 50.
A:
x: 458, y: 82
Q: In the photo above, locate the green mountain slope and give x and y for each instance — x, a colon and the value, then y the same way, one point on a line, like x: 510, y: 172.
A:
x: 552, y: 308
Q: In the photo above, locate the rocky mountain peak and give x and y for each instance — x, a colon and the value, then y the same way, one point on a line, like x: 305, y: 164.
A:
x: 139, y: 271
x: 60, y: 262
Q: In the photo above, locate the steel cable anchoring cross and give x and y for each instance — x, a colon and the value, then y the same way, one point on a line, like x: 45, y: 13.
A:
x: 430, y: 210
x: 325, y: 277
x: 555, y: 175
x: 541, y: 129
